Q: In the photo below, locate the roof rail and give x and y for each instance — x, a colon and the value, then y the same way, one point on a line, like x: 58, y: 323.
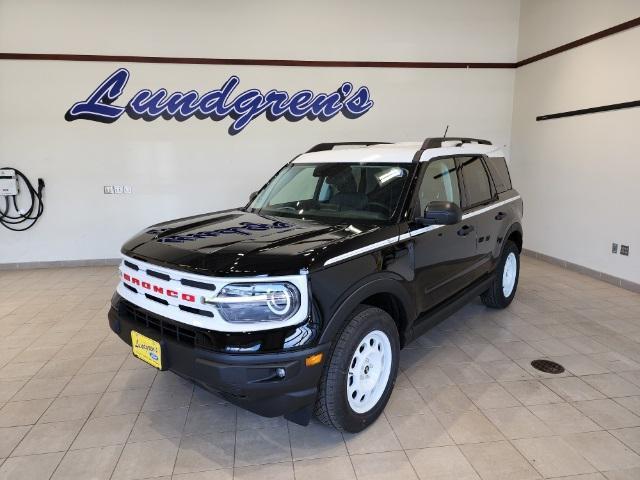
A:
x: 321, y: 147
x: 436, y: 142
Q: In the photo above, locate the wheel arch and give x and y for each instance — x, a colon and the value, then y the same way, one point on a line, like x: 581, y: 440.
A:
x: 387, y: 294
x: 515, y: 235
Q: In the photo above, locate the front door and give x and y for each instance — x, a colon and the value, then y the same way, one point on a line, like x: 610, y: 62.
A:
x: 444, y: 254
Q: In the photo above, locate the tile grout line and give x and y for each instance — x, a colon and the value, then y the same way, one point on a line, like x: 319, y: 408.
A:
x: 505, y: 438
x: 124, y: 445
x: 443, y: 426
x: 290, y: 452
x: 235, y: 445
x: 186, y: 418
x: 89, y: 416
x: 45, y: 411
x: 404, y: 450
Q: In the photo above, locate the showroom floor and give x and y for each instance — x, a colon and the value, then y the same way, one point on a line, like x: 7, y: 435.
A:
x: 75, y: 404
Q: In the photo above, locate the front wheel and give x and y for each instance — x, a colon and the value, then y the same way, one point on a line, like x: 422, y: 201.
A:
x: 504, y: 286
x: 359, y: 376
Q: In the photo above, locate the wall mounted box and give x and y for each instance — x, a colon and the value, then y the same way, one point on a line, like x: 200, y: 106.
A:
x: 8, y: 183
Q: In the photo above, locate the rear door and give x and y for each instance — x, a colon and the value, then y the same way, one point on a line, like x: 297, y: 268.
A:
x: 479, y: 195
x: 443, y: 255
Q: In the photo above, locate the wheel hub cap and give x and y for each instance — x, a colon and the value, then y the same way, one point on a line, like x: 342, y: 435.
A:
x: 369, y: 371
x: 509, y: 274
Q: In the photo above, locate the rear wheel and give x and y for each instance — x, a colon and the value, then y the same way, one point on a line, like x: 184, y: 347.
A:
x: 503, y: 288
x: 359, y: 376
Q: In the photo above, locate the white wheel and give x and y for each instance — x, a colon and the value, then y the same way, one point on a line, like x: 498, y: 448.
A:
x: 509, y: 274
x: 369, y: 371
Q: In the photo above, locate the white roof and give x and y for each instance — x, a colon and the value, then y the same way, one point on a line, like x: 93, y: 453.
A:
x: 394, y: 153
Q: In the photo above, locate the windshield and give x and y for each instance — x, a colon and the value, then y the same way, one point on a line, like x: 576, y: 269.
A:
x: 334, y: 191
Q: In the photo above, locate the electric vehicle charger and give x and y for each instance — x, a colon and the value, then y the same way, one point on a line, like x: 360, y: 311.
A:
x: 21, y: 220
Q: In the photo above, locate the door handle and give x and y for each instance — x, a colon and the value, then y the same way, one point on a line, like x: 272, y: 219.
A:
x: 500, y: 215
x: 465, y: 230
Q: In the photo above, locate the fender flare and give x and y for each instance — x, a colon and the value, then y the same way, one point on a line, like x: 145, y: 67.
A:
x: 515, y: 227
x: 499, y: 246
x: 360, y: 292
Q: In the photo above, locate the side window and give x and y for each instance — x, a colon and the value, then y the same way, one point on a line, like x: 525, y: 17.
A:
x: 500, y: 173
x: 476, y: 181
x: 440, y: 182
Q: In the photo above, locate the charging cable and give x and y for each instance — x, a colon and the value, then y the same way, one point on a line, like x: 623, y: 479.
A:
x: 21, y: 220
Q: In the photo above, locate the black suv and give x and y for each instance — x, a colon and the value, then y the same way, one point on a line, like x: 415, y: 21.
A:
x: 300, y: 302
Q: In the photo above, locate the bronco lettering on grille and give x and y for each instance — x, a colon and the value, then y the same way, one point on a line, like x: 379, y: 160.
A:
x: 186, y: 297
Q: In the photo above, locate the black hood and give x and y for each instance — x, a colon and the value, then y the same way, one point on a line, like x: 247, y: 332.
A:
x: 239, y: 243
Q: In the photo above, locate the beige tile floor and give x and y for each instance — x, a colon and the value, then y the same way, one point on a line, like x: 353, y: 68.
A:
x: 74, y: 403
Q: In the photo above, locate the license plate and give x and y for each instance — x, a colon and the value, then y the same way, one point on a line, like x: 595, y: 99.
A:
x: 146, y: 349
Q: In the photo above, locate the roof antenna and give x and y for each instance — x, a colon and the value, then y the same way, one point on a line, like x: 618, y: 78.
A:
x: 445, y: 132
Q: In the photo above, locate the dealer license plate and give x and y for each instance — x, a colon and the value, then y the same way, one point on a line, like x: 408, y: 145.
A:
x: 146, y: 349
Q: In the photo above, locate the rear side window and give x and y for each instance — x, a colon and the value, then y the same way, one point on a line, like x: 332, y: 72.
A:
x: 476, y: 180
x: 500, y: 173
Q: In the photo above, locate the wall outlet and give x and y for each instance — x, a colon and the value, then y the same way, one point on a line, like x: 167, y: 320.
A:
x: 624, y: 250
x: 117, y: 189
x: 614, y: 248
x: 108, y: 189
x: 127, y: 189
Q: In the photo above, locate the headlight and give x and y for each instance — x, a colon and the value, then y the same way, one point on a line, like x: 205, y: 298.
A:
x: 256, y: 302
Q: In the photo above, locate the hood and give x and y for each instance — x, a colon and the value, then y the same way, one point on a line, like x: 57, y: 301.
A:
x: 239, y: 243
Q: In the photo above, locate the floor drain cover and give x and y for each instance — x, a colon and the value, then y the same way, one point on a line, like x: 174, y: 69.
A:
x: 547, y: 366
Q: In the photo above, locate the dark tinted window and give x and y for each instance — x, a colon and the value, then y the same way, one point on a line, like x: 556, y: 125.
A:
x: 500, y: 173
x: 476, y: 181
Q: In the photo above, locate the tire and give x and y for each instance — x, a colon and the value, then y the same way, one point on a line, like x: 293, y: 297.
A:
x: 379, y: 356
x: 503, y: 288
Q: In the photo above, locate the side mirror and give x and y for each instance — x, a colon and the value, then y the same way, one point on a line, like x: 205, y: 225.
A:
x: 253, y: 196
x: 441, y: 213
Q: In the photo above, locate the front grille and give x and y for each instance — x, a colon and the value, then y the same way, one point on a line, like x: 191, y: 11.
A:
x: 260, y: 341
x: 197, y: 311
x: 193, y: 283
x: 162, y: 276
x: 156, y: 299
x: 167, y: 329
x: 131, y: 265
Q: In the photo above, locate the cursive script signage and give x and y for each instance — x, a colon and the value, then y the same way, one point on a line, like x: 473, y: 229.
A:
x: 242, y: 107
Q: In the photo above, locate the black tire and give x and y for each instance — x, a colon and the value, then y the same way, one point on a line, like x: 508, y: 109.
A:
x: 494, y: 297
x: 332, y: 406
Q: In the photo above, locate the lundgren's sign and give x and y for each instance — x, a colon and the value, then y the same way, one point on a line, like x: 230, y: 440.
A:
x: 219, y: 104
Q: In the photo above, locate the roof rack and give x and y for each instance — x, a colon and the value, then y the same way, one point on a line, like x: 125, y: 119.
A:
x: 436, y: 142
x: 321, y: 147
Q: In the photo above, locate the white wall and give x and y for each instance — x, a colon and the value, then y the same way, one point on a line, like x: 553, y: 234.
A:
x: 455, y: 30
x: 546, y: 24
x: 178, y: 169
x: 579, y: 175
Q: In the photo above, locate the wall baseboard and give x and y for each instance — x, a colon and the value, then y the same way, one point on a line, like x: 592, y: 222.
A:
x: 618, y: 282
x: 98, y: 262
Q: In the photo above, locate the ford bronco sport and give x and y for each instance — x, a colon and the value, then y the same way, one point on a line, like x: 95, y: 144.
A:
x: 299, y: 303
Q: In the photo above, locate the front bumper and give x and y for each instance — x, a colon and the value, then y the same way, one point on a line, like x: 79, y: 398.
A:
x: 247, y: 380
